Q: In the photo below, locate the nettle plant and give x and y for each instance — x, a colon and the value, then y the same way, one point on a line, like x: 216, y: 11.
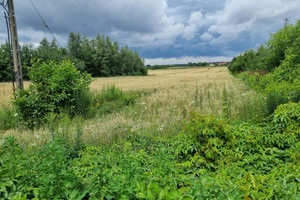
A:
x: 55, y: 87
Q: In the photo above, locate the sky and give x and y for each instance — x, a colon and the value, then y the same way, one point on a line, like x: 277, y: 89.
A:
x: 162, y: 31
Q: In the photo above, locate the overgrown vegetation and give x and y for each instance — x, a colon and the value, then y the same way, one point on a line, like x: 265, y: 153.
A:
x: 62, y: 89
x: 208, y: 159
x: 274, y: 69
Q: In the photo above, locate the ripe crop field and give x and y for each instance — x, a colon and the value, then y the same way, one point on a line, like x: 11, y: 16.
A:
x: 167, y: 97
x: 6, y: 93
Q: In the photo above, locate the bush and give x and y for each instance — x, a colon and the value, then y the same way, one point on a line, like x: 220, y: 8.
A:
x: 54, y: 88
x: 112, y: 99
x: 275, y: 91
x: 40, y: 174
x: 287, y: 116
x: 8, y: 118
x: 202, y: 141
x: 280, y: 93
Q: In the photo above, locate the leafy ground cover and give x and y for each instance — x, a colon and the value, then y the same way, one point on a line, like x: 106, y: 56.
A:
x: 209, y: 158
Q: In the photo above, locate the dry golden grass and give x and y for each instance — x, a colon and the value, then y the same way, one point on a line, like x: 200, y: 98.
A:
x: 6, y: 93
x: 165, y: 79
x: 173, y: 94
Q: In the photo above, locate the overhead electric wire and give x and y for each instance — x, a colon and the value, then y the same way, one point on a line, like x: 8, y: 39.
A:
x: 45, y: 24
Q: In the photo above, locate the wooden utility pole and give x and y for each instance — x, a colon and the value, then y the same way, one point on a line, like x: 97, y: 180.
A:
x: 15, y: 44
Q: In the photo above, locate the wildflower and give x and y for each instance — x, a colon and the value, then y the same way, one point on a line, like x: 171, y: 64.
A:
x: 243, y: 94
x: 135, y: 128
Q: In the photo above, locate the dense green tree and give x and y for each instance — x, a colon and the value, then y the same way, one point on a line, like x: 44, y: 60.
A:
x: 280, y: 41
x: 99, y: 56
x: 5, y: 71
x: 27, y: 53
x: 74, y: 45
x: 47, y: 52
x: 281, y: 51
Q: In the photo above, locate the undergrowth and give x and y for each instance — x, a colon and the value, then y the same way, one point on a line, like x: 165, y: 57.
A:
x: 112, y: 99
x: 209, y: 158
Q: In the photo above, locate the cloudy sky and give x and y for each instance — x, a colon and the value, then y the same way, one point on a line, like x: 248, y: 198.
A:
x: 162, y: 31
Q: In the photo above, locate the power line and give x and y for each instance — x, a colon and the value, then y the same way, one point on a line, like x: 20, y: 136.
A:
x: 45, y: 24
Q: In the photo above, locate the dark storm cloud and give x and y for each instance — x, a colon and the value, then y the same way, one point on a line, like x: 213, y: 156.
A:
x: 159, y: 28
x: 93, y: 16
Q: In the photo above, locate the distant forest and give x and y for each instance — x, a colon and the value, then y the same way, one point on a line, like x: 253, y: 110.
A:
x: 190, y: 64
x: 98, y: 56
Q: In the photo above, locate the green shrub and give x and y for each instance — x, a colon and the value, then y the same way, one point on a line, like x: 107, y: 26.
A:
x: 202, y: 140
x: 287, y: 116
x: 54, y: 88
x: 275, y: 91
x: 8, y: 118
x: 112, y: 99
x: 289, y: 70
x: 41, y: 173
x: 280, y: 93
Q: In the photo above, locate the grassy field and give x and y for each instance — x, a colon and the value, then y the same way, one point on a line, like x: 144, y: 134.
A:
x: 169, y: 96
x: 186, y: 134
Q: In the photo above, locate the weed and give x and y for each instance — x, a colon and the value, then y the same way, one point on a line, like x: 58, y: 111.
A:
x: 8, y: 118
x: 226, y: 108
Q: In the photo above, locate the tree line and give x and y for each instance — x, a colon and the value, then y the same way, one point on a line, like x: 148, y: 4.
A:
x: 98, y: 56
x: 281, y: 51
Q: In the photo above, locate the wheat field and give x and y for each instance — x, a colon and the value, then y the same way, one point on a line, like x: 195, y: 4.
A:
x: 172, y: 94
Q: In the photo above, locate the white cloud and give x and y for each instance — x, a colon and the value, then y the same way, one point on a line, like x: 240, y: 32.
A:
x: 208, y: 26
x: 239, y: 16
x: 206, y: 36
x: 195, y: 23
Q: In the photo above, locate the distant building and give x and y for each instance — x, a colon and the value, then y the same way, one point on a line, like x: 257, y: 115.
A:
x: 222, y: 63
x: 212, y: 65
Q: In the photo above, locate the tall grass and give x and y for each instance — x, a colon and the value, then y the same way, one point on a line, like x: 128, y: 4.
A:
x: 156, y: 104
